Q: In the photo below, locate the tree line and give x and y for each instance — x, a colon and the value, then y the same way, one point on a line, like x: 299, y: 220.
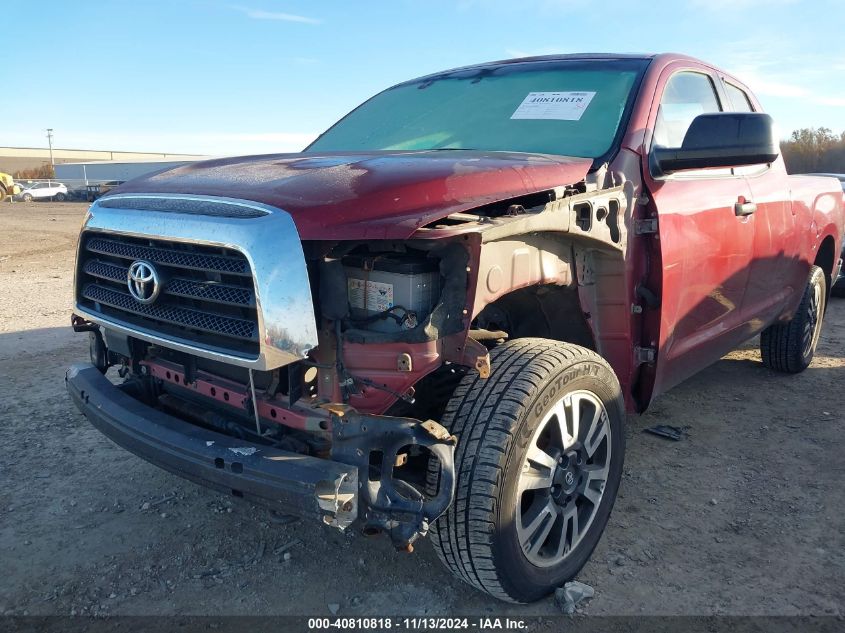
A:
x: 814, y: 150
x: 44, y: 172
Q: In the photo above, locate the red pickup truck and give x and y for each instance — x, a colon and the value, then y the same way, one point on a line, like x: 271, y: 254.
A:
x: 436, y: 317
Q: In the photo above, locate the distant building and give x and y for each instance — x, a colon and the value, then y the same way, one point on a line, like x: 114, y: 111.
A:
x: 14, y: 159
x: 105, y: 171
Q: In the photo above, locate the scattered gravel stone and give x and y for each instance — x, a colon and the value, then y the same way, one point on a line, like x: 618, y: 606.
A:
x: 571, y: 594
x: 334, y: 607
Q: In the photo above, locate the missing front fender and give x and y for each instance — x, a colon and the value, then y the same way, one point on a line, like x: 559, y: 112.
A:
x: 376, y: 445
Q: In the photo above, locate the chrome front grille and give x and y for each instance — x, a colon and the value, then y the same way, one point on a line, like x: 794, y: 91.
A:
x: 207, y: 294
x: 171, y: 256
x: 188, y: 288
x: 229, y: 277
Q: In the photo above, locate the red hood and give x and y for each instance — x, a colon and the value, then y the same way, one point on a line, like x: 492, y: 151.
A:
x: 374, y: 195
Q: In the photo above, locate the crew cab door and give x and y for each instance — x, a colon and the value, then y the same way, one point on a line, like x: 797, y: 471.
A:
x: 705, y: 247
x: 777, y: 276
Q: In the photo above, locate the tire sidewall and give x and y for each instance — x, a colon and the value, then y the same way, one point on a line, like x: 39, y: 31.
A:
x: 534, y: 582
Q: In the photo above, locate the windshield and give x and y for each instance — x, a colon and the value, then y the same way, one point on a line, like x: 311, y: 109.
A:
x: 566, y: 107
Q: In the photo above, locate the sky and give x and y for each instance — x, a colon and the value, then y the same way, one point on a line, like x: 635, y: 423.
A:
x: 222, y: 77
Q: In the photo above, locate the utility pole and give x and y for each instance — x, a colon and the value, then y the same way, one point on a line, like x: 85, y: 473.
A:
x: 50, y: 143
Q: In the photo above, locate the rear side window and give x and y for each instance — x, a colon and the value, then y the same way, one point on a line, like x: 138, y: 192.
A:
x: 687, y: 94
x: 739, y: 100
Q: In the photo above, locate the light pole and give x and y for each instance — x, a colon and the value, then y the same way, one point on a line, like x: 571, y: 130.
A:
x: 50, y: 143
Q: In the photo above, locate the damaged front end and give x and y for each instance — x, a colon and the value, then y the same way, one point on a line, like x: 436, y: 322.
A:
x: 356, y: 483
x: 236, y: 378
x: 307, y: 375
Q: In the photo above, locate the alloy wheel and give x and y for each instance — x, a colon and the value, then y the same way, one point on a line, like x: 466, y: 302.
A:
x: 812, y: 326
x: 563, y: 478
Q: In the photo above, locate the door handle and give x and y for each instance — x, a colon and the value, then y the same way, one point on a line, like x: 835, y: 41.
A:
x: 744, y: 207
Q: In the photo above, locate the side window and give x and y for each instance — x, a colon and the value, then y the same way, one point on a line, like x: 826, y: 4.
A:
x: 741, y: 103
x: 687, y: 94
x: 739, y: 100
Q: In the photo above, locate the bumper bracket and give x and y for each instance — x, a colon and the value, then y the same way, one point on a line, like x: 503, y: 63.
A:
x: 392, y: 505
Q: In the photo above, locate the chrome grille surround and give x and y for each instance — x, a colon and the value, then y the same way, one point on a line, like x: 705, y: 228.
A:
x: 269, y: 245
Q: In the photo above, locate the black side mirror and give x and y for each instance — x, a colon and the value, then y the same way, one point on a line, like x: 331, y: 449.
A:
x: 721, y: 139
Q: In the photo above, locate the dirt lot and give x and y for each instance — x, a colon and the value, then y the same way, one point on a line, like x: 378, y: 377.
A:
x: 746, y: 515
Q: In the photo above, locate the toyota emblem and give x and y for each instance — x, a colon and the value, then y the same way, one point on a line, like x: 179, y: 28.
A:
x: 142, y: 280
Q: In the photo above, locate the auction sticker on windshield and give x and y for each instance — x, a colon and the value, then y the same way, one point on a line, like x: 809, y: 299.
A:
x: 563, y: 106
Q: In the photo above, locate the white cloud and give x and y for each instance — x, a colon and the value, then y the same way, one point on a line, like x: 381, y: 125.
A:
x: 260, y: 14
x: 762, y: 83
x: 768, y: 84
x: 838, y: 102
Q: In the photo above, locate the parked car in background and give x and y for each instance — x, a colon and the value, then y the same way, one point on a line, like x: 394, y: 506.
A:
x: 44, y: 191
x: 7, y: 186
x: 838, y: 289
x: 78, y: 192
x: 96, y: 190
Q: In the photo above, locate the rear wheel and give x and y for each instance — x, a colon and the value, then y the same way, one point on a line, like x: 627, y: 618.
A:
x: 789, y: 347
x: 539, y: 460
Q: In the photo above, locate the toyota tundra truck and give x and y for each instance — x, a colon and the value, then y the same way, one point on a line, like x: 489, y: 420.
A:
x: 435, y: 318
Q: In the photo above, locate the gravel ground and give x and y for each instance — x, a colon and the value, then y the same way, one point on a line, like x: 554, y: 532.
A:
x: 743, y: 517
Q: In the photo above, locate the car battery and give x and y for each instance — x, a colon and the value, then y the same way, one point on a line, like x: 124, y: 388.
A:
x: 393, y: 292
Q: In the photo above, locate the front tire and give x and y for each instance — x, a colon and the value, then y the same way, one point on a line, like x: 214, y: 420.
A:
x: 27, y: 197
x: 789, y: 347
x: 60, y: 197
x: 539, y: 460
